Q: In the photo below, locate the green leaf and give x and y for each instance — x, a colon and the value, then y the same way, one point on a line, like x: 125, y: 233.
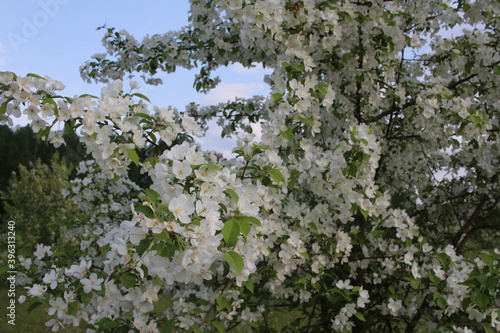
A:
x: 50, y: 101
x: 352, y: 170
x: 263, y: 147
x: 434, y: 279
x: 4, y: 269
x: 308, y: 120
x: 466, y: 302
x: 287, y: 134
x: 346, y: 57
x: 143, y: 115
x: 323, y: 89
x: 497, y: 69
x: 146, y: 210
x: 153, y: 64
x: 218, y: 325
x: 232, y: 194
x: 88, y: 95
x: 43, y: 133
x: 197, y: 310
x: 222, y: 302
x: 157, y: 281
x: 168, y: 327
x: 153, y: 195
x: 244, y: 227
x: 142, y: 96
x: 442, y: 257
x: 163, y: 236
x: 441, y: 302
x: 230, y: 232
x: 169, y: 251
x: 488, y: 282
x: 69, y: 125
x: 250, y: 219
x: 3, y: 107
x: 468, y: 66
x: 143, y: 246
x: 13, y: 74
x: 73, y: 308
x: 482, y: 301
x: 128, y: 280
x: 277, y: 97
x: 488, y: 260
x: 34, y: 306
x: 487, y: 328
x: 152, y: 136
x: 158, y: 247
x: 253, y: 220
x: 276, y: 175
x: 298, y: 67
x: 360, y: 316
x: 110, y: 324
x: 364, y: 213
x: 212, y: 166
x: 86, y: 298
x: 35, y: 75
x: 249, y: 285
x: 234, y: 260
x: 132, y: 154
x: 415, y: 283
x: 476, y: 120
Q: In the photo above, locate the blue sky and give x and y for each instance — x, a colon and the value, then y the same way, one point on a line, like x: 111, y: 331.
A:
x: 55, y: 37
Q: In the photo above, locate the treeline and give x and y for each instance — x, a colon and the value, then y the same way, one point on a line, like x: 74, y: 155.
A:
x: 19, y: 146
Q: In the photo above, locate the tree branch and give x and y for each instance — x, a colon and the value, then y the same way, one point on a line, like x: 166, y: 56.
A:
x: 473, y: 230
x: 459, y: 82
x: 414, y: 321
x: 458, y: 242
x: 393, y: 110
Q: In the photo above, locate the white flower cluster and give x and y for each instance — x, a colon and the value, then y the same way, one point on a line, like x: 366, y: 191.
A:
x: 340, y: 209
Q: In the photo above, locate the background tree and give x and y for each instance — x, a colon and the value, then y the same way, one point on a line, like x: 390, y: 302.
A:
x: 35, y: 200
x: 19, y: 146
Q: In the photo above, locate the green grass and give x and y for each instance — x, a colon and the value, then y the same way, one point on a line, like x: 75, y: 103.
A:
x: 25, y: 322
x: 33, y: 322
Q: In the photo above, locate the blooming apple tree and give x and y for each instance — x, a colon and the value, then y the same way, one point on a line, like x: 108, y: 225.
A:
x: 369, y: 203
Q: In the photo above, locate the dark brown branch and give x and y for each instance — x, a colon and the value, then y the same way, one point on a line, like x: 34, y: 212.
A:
x: 458, y: 196
x: 459, y: 82
x: 212, y: 308
x: 124, y: 272
x: 311, y: 315
x: 403, y: 137
x: 469, y: 223
x: 393, y: 110
x: 155, y: 144
x: 451, y: 198
x: 458, y: 242
x: 414, y: 321
x: 245, y: 169
x: 464, y: 240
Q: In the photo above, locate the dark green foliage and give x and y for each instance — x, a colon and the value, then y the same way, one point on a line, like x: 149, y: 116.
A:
x: 19, y: 146
x: 34, y: 200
